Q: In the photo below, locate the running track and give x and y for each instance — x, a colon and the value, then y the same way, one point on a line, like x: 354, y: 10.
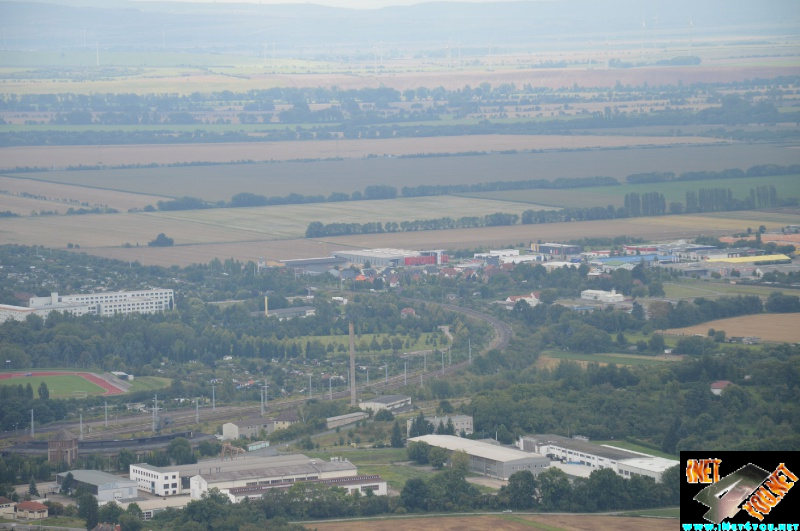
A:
x: 109, y: 388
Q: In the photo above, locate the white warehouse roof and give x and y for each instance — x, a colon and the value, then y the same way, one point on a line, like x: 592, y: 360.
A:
x: 476, y: 448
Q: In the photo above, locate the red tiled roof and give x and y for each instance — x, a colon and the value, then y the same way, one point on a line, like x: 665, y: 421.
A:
x: 31, y: 506
x: 721, y: 384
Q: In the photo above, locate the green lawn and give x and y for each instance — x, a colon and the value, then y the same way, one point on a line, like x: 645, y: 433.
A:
x: 59, y: 386
x: 625, y: 445
x: 149, y: 383
x: 691, y: 289
x: 619, y: 359
x: 380, y: 461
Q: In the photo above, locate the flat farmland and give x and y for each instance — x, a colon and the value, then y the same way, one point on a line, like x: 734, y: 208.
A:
x: 220, y: 182
x: 660, y: 228
x: 118, y: 155
x: 780, y: 327
x: 191, y: 227
x: 510, y: 522
x: 785, y: 185
x: 44, y: 195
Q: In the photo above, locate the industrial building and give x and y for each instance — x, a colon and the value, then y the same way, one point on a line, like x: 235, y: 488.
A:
x: 105, y: 487
x: 580, y: 451
x: 104, y: 304
x: 558, y: 249
x: 344, y: 420
x: 390, y: 402
x: 361, y: 484
x: 461, y: 423
x: 601, y: 296
x: 394, y: 257
x: 247, y: 471
x: 264, y: 471
x: 250, y: 427
x: 489, y: 459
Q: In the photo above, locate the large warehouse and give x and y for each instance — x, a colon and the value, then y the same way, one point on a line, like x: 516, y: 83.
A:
x: 394, y: 257
x: 105, y: 487
x: 243, y: 472
x: 489, y: 459
x: 582, y: 452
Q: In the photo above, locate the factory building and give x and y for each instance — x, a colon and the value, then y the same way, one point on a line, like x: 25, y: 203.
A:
x: 579, y: 451
x: 489, y: 459
x: 248, y: 471
x: 390, y: 402
x: 394, y: 257
x: 558, y: 249
x: 461, y: 423
x: 105, y: 487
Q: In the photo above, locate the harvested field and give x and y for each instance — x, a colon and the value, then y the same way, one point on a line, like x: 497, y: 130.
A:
x: 117, y: 155
x: 325, y: 177
x: 663, y: 228
x: 780, y: 327
x: 44, y: 195
x: 515, y: 522
x: 185, y: 80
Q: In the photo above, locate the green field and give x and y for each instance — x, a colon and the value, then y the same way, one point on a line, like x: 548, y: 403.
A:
x: 325, y: 177
x: 713, y: 290
x: 381, y: 461
x: 618, y: 359
x: 786, y: 186
x: 59, y: 386
x: 148, y: 383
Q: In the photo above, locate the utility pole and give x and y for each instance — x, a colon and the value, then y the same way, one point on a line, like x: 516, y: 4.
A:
x: 106, y: 404
x: 405, y: 374
x: 443, y: 363
x: 81, y: 438
x: 262, y: 401
x: 309, y: 386
x: 469, y: 344
x: 196, y: 410
x: 213, y: 399
x: 330, y: 387
x: 32, y: 433
x: 352, y: 373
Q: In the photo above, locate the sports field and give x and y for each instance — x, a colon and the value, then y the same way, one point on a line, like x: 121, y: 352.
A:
x: 61, y: 384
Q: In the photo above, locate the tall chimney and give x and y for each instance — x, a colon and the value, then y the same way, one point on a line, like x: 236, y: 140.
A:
x: 266, y: 305
x: 352, y: 366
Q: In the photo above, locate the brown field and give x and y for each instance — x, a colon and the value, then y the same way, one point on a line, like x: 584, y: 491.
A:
x: 118, y: 155
x: 189, y: 79
x: 769, y: 327
x: 517, y: 522
x: 55, y: 196
x: 247, y: 248
x: 282, y: 178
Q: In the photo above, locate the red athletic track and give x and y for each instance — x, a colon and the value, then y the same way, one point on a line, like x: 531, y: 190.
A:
x: 110, y: 389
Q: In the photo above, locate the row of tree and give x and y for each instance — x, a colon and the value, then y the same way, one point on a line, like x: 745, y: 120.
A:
x: 635, y: 205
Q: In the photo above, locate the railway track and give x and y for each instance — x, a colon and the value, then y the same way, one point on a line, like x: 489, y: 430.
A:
x: 96, y: 429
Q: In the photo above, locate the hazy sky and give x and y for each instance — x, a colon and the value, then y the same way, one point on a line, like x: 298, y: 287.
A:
x: 353, y: 4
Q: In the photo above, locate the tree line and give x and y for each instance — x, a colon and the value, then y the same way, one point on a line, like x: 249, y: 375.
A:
x: 635, y: 205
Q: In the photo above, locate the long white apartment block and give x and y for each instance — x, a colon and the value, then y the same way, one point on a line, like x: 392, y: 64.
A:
x: 102, y: 303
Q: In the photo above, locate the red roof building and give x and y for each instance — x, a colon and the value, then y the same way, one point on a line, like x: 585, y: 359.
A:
x: 31, y: 510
